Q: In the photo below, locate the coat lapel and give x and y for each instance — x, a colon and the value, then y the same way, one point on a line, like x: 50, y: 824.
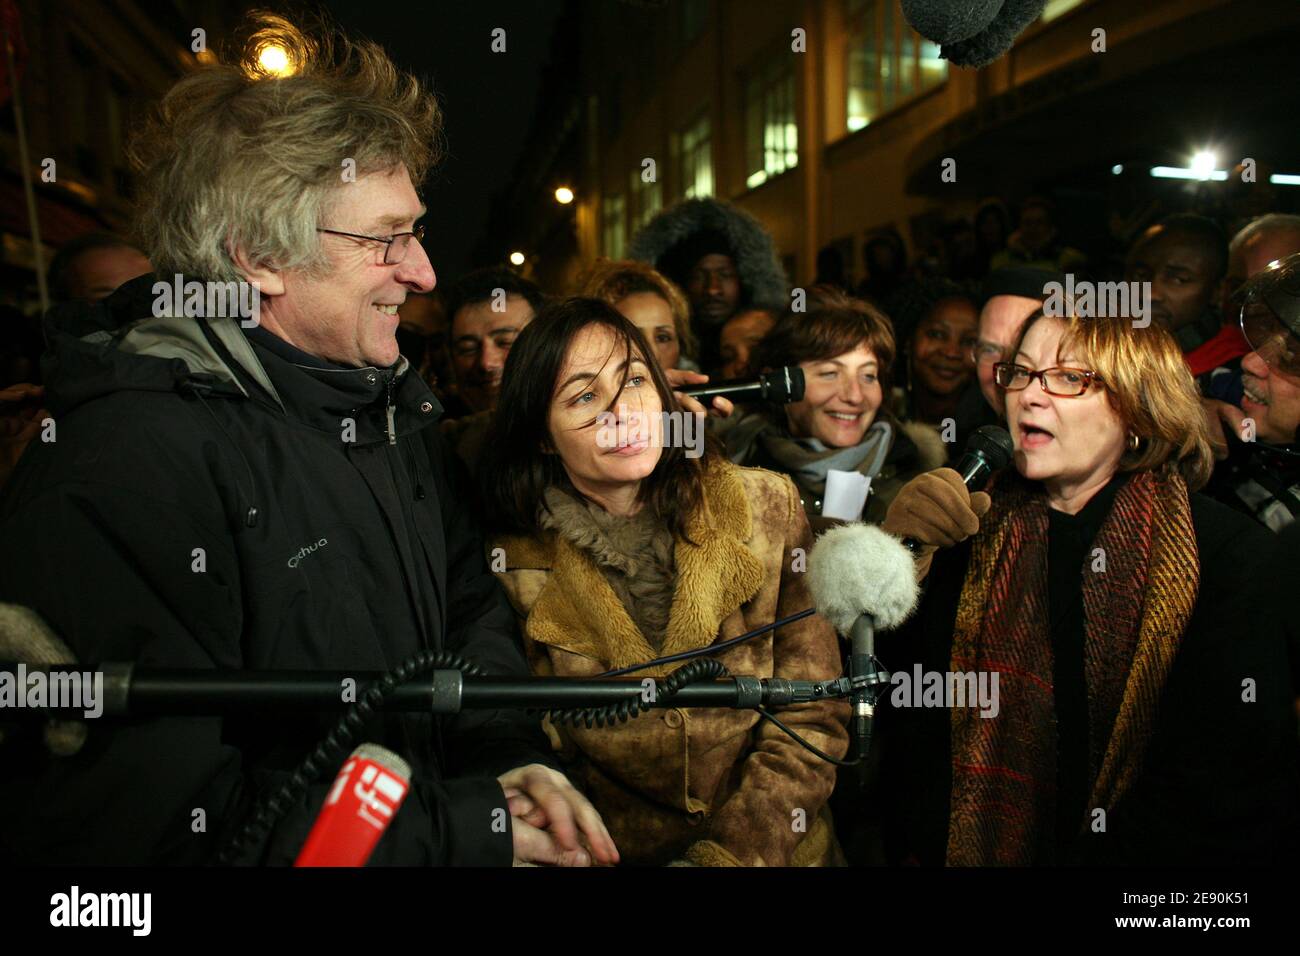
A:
x: 579, y: 612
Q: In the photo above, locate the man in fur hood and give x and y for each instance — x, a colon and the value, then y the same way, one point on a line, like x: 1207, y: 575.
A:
x: 721, y: 256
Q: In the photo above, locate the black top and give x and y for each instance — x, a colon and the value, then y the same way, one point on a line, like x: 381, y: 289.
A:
x: 1069, y: 557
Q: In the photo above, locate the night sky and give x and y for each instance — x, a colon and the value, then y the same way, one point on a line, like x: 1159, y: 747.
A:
x: 487, y: 98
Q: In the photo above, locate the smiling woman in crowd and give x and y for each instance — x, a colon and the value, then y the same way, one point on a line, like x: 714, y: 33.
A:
x: 937, y: 324
x: 620, y: 545
x: 844, y: 421
x: 1144, y: 711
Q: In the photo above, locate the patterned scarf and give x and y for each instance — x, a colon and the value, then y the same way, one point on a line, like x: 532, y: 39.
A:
x: 1135, y: 611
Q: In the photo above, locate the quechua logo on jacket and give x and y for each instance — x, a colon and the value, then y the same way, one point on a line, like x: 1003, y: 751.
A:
x: 303, y: 552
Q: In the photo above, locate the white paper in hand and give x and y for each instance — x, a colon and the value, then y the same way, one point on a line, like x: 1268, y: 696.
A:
x: 846, y: 495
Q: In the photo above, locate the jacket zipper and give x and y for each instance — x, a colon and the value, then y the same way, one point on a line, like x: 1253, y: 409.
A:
x: 392, y: 424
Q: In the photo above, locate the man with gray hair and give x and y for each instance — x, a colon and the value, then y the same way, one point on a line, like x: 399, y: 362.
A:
x: 268, y: 490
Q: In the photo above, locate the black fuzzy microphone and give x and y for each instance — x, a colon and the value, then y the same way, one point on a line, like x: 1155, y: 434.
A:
x: 972, y: 32
x: 988, y: 449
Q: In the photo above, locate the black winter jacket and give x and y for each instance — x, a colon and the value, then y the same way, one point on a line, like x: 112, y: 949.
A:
x: 219, y: 499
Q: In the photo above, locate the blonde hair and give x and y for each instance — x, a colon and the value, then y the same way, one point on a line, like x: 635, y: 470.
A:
x: 1148, y: 384
x: 238, y: 157
x: 612, y: 280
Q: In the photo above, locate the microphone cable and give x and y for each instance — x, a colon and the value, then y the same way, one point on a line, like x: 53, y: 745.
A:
x: 268, y: 810
x: 635, y: 706
x: 713, y: 648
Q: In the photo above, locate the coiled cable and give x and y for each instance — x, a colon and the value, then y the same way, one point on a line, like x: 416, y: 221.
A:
x: 271, y: 807
x: 634, y: 705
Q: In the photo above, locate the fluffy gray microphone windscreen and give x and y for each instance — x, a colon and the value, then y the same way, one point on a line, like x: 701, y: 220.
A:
x: 972, y: 33
x: 26, y: 638
x: 946, y: 21
x: 856, y: 569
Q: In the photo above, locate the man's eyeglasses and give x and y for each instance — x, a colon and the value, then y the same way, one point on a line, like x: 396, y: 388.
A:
x: 395, y: 246
x: 1060, y: 381
x: 1271, y: 340
x: 1270, y: 314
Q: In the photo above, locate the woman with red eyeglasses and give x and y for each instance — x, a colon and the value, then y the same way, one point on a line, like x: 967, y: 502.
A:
x: 1143, y: 702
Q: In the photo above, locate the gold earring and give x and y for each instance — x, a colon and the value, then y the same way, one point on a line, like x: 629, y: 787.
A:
x: 1133, y: 442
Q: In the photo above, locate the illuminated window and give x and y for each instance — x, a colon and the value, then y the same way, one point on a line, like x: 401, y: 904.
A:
x: 647, y: 198
x: 887, y: 62
x: 1055, y: 8
x: 771, y: 134
x: 694, y: 162
x: 613, y: 226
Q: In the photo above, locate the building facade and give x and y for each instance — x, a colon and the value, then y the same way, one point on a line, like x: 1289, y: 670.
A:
x: 88, y: 71
x: 831, y: 119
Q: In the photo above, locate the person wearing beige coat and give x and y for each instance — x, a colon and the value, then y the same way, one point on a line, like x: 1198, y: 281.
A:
x: 597, y: 590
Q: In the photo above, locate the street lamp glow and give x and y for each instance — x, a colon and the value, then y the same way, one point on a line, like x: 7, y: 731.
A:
x: 1203, y: 164
x: 517, y: 258
x: 274, y: 59
x: 564, y: 195
x: 1181, y: 172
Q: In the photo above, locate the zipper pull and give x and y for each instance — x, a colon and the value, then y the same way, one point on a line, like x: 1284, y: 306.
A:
x: 392, y: 424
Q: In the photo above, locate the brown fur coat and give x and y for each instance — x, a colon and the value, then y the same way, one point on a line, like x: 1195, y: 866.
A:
x: 717, y: 787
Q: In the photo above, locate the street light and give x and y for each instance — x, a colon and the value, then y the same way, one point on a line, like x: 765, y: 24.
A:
x: 1203, y: 164
x: 564, y: 195
x: 517, y: 258
x: 274, y: 59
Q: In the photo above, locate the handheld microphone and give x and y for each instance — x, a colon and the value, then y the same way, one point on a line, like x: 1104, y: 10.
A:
x: 780, y: 386
x: 988, y: 449
x: 362, y: 803
x: 862, y: 578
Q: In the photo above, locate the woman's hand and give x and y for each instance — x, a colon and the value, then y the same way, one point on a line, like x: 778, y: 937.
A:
x: 936, y: 509
x: 552, y: 822
x: 677, y: 378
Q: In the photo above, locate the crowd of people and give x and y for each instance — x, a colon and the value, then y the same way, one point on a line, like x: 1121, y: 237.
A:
x: 445, y: 453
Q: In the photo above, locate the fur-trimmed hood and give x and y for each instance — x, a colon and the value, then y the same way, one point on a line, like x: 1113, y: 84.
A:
x: 763, y: 280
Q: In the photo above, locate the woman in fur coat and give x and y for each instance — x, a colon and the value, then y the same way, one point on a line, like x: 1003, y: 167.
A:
x: 621, y: 544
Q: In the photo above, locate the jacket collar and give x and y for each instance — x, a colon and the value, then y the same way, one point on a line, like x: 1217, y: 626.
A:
x: 120, y: 343
x: 578, y: 611
x: 327, y: 396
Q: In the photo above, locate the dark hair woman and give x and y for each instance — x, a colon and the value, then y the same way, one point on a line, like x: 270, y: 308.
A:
x: 1141, y: 711
x: 844, y: 422
x: 621, y: 545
